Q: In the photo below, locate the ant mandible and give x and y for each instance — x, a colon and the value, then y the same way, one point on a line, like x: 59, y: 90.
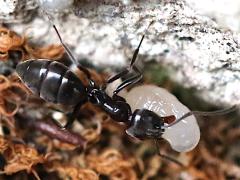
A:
x: 55, y: 82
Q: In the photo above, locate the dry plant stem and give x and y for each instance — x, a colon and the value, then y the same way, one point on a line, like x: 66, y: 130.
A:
x: 73, y: 172
x: 113, y: 164
x: 11, y: 42
x: 49, y: 128
x: 19, y: 157
x: 225, y: 167
x: 64, y: 135
x: 10, y: 96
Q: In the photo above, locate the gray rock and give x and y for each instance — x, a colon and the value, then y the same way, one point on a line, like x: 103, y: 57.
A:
x: 203, y: 55
x: 16, y: 11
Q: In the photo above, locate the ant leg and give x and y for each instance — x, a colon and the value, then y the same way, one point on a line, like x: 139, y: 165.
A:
x: 131, y: 67
x: 71, y: 116
x: 170, y: 159
x: 117, y: 76
x: 70, y: 55
x: 70, y: 120
x: 135, y: 54
x: 54, y: 120
x: 85, y: 70
x: 58, y: 124
x: 166, y: 156
x: 68, y: 51
x: 132, y: 80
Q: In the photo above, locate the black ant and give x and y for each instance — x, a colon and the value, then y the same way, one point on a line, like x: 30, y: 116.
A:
x: 54, y: 82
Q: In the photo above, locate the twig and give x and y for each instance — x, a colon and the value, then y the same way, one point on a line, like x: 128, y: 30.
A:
x: 49, y: 128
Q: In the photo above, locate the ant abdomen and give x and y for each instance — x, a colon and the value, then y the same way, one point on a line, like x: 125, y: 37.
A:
x: 52, y: 81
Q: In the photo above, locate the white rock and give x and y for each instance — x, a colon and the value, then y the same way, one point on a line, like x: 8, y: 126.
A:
x: 55, y: 5
x: 16, y: 11
x: 203, y: 55
x: 8, y: 6
x: 225, y: 12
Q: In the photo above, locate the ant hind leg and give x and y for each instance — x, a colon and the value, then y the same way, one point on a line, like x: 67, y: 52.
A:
x: 169, y: 158
x: 71, y: 116
x: 70, y: 55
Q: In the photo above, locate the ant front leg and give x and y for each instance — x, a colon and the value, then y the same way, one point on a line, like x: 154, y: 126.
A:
x: 166, y: 156
x: 132, y: 67
x: 132, y: 80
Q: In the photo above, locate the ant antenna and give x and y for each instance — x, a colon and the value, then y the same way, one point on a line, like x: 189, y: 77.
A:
x: 70, y: 55
x: 166, y: 156
x: 135, y: 54
x: 132, y: 67
x: 64, y: 45
x: 68, y: 51
x: 202, y: 113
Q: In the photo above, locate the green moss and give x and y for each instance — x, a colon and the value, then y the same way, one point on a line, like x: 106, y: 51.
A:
x: 156, y: 74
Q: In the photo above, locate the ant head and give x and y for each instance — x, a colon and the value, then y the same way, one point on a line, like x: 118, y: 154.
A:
x: 145, y: 124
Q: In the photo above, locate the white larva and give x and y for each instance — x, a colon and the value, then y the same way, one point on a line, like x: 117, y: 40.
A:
x: 183, y: 136
x: 55, y: 5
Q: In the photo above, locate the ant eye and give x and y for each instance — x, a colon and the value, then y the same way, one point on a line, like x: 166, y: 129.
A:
x: 156, y: 126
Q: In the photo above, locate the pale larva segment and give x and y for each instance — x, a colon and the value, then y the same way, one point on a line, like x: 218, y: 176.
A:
x: 183, y: 136
x: 55, y: 5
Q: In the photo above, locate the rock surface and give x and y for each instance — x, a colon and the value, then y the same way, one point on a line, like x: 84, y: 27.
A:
x: 203, y: 54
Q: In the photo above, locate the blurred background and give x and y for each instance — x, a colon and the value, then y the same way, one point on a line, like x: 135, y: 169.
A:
x: 191, y: 49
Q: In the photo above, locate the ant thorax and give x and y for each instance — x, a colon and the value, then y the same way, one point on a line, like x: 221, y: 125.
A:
x: 184, y: 135
x: 115, y: 106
